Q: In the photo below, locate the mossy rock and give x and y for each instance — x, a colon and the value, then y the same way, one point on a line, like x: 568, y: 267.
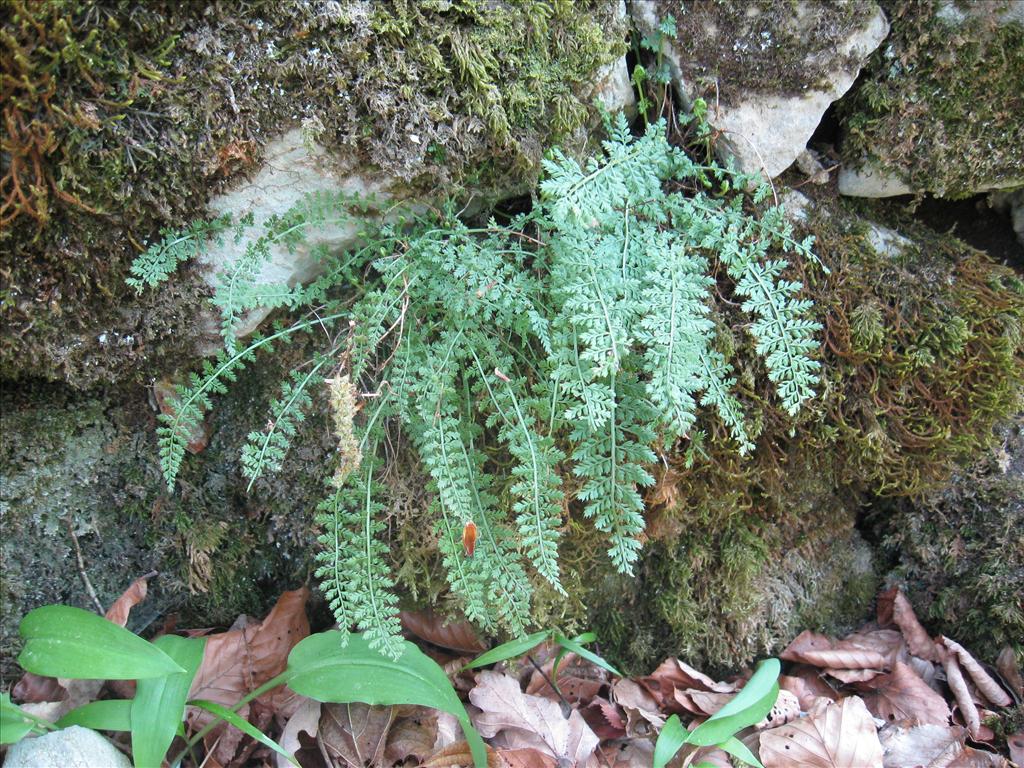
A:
x: 940, y: 107
x: 959, y: 553
x: 125, y: 118
x: 922, y: 355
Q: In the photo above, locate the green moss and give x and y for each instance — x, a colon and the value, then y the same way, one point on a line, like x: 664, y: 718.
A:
x: 960, y: 553
x: 154, y: 107
x: 940, y: 104
x: 734, y: 48
x: 922, y: 355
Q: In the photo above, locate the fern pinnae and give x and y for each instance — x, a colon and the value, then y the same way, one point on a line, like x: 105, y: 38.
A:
x: 265, y: 450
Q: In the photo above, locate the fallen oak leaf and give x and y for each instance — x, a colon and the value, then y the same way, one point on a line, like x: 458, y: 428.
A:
x: 833, y: 735
x: 1015, y: 744
x: 306, y: 719
x: 529, y: 721
x: 525, y: 758
x: 412, y: 735
x: 984, y: 682
x: 902, y: 695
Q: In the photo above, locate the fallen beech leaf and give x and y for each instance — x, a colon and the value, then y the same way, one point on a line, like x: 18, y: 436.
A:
x: 988, y: 687
x: 165, y: 394
x: 135, y: 594
x: 806, y: 683
x: 529, y: 721
x: 454, y: 635
x: 672, y: 674
x: 624, y: 753
x: 240, y: 660
x: 702, y: 703
x: 642, y: 715
x: 785, y: 709
x: 355, y: 734
x: 930, y: 746
x: 448, y: 731
x: 1010, y: 670
x: 525, y: 758
x: 458, y: 754
x: 33, y: 688
x: 853, y: 675
x: 578, y: 680
x: 412, y: 735
x: 305, y: 720
x: 957, y: 684
x: 833, y: 735
x: 894, y: 608
x: 821, y: 651
x: 902, y: 695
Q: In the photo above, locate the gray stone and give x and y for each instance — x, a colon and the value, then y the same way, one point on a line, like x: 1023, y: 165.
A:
x: 763, y: 130
x: 73, y: 747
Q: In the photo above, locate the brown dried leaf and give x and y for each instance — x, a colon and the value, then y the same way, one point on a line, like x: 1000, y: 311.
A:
x: 135, y: 594
x: 702, y: 703
x: 1010, y: 670
x: 454, y: 635
x: 165, y: 394
x: 642, y: 715
x: 624, y: 753
x: 806, y: 683
x: 928, y: 746
x: 672, y: 674
x: 306, y: 719
x: 822, y: 651
x: 902, y: 695
x: 894, y: 608
x: 529, y: 721
x: 412, y: 736
x: 833, y: 735
x: 525, y: 758
x: 976, y: 758
x: 604, y: 718
x: 578, y: 680
x: 853, y: 675
x: 355, y: 734
x: 458, y: 755
x: 1015, y: 743
x: 957, y: 684
x: 785, y: 709
x: 988, y: 687
x: 32, y: 689
x: 240, y: 660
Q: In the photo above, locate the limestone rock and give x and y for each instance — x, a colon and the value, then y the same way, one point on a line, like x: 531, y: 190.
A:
x: 940, y: 108
x: 73, y: 747
x: 766, y: 119
x: 1014, y: 203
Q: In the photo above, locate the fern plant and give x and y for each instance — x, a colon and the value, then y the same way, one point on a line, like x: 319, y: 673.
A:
x: 572, y: 341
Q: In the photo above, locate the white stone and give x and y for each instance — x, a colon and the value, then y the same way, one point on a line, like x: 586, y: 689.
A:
x: 870, y: 181
x: 766, y: 132
x: 291, y: 169
x: 1014, y: 203
x: 73, y: 747
x: 614, y: 89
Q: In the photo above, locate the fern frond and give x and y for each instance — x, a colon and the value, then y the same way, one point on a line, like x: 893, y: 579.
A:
x: 161, y: 259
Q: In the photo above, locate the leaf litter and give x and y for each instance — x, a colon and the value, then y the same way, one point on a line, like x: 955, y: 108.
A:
x: 888, y: 695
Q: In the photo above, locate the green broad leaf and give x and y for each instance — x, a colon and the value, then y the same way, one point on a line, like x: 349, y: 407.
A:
x: 510, y: 650
x: 159, y: 704
x: 574, y: 646
x: 321, y: 668
x: 107, y: 715
x: 747, y: 707
x: 14, y: 723
x: 672, y: 737
x: 219, y: 710
x: 61, y: 641
x: 739, y: 750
